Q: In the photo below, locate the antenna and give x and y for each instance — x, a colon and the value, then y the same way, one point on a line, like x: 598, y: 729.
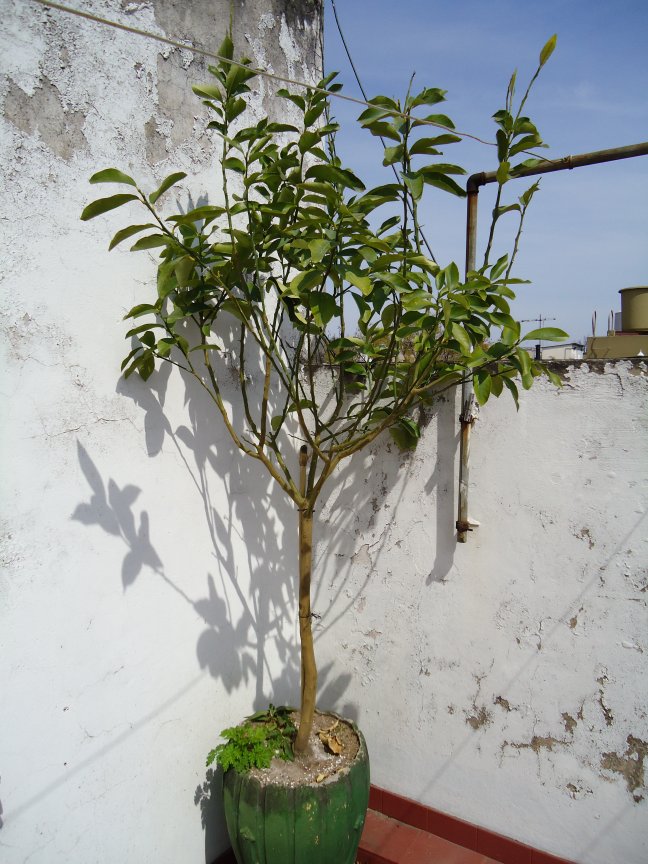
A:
x: 539, y: 320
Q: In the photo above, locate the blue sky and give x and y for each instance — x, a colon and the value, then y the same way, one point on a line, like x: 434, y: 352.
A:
x: 587, y: 231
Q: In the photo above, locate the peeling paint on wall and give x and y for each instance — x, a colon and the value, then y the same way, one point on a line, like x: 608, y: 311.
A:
x: 630, y: 765
x: 44, y: 114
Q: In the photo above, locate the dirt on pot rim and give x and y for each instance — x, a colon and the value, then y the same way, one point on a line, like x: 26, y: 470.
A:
x: 318, y: 765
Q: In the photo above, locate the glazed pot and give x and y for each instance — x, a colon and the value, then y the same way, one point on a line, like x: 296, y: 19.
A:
x: 318, y: 823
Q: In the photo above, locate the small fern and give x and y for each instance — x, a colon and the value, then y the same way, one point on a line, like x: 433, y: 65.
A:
x: 255, y: 742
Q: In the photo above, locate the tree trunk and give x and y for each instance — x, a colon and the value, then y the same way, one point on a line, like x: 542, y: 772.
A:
x: 308, y: 667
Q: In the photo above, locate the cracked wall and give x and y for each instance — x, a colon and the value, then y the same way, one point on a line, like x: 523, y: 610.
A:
x: 507, y: 684
x: 133, y: 629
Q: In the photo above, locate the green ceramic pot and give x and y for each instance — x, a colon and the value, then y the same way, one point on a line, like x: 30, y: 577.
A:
x: 316, y: 824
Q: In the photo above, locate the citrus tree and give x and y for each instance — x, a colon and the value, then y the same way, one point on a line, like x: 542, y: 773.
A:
x: 343, y: 323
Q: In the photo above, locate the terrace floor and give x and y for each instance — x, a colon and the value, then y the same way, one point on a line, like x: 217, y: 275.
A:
x: 388, y: 841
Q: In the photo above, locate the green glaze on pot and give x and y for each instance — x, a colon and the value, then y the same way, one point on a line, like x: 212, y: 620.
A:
x: 316, y: 824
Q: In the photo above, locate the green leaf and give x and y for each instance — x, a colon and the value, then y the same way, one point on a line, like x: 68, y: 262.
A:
x: 150, y: 242
x: 226, y: 49
x: 502, y: 145
x: 482, y: 384
x: 167, y: 183
x: 510, y: 92
x: 548, y: 334
x: 451, y: 274
x: 499, y: 267
x: 318, y: 249
x: 240, y: 309
x: 304, y: 282
x: 512, y: 387
x: 414, y: 182
x: 525, y: 367
x: 307, y: 140
x: 526, y: 143
x: 383, y: 130
x: 206, y: 346
x: 460, y: 335
x: 323, y: 306
x: 238, y: 75
x: 184, y: 269
x: 164, y: 346
x: 302, y: 405
x: 299, y: 101
x: 548, y: 49
x: 146, y: 366
x: 429, y: 96
x: 314, y: 113
x: 406, y: 433
x: 437, y: 119
x: 331, y: 174
x: 511, y: 335
x: 500, y: 211
x: 126, y: 360
x: 207, y: 213
x: 112, y: 175
x: 528, y: 194
x: 442, y: 181
x: 234, y: 164
x: 234, y: 108
x: 103, y: 205
x: 503, y: 172
x: 208, y: 91
x: 427, y: 146
x: 276, y: 422
x: 141, y: 329
x: 496, y: 385
x: 141, y: 309
x: 393, y: 154
x: 166, y: 279
x: 361, y: 282
x: 125, y: 233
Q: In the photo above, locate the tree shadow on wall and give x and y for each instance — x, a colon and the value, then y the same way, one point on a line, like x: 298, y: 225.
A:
x: 380, y: 478
x: 252, y: 526
x: 252, y: 518
x: 112, y: 508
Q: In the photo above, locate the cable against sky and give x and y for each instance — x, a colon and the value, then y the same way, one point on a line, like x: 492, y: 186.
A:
x: 175, y: 43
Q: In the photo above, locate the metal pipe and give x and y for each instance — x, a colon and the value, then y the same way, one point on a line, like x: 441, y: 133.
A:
x: 469, y: 407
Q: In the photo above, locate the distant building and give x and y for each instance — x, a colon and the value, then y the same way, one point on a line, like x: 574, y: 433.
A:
x: 630, y: 335
x: 564, y: 351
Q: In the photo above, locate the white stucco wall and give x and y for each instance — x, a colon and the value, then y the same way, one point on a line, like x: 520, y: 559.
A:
x: 504, y: 680
x: 145, y: 597
x: 143, y: 565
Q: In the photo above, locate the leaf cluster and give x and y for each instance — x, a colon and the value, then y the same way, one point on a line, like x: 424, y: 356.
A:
x: 299, y: 248
x: 257, y: 741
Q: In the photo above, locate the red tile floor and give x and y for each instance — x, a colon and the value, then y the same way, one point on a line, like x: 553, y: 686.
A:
x: 386, y: 841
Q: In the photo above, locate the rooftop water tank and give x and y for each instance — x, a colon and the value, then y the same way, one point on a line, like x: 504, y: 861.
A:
x: 634, y: 309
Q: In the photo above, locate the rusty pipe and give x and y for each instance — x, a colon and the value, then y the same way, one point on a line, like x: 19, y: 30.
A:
x: 469, y: 408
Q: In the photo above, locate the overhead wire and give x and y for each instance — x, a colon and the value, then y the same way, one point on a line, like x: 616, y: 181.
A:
x: 284, y: 79
x: 382, y: 140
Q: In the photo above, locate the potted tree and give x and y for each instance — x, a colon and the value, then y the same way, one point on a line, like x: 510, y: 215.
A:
x: 343, y: 326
